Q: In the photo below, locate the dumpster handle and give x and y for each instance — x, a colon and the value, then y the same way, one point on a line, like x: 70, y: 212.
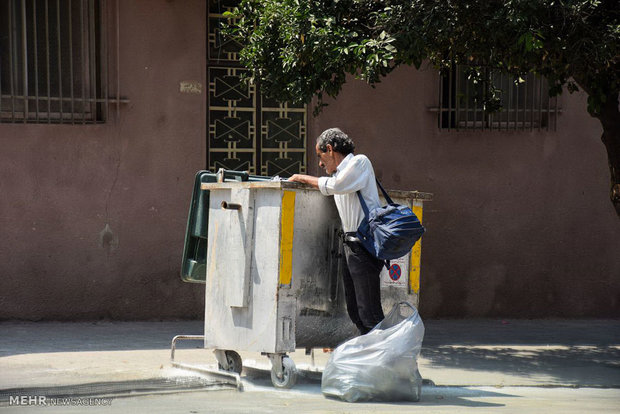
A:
x: 230, y: 206
x: 173, y: 345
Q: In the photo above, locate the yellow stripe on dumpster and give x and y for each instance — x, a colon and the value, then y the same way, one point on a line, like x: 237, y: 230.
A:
x: 416, y: 251
x: 286, y: 237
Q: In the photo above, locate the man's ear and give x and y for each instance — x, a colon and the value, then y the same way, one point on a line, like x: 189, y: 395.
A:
x: 329, y: 148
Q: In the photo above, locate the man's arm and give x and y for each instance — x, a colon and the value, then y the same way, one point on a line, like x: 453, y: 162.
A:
x: 306, y: 179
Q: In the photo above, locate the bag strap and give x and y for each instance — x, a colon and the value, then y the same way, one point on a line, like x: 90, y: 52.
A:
x: 363, y: 203
x: 385, y: 194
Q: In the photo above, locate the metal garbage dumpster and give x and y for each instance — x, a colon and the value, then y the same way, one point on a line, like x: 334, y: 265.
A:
x: 273, y: 269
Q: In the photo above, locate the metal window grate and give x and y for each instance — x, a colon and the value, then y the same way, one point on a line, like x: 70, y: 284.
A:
x: 524, y: 103
x: 53, y: 61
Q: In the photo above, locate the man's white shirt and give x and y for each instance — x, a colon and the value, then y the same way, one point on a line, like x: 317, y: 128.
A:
x: 354, y: 173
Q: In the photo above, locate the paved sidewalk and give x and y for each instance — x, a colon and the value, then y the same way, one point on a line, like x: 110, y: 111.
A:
x: 134, y: 357
x: 581, y: 353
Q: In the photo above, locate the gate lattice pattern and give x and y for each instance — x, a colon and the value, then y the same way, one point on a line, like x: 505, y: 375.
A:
x: 246, y: 131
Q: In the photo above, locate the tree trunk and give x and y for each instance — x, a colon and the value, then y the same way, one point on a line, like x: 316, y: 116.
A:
x: 610, y: 119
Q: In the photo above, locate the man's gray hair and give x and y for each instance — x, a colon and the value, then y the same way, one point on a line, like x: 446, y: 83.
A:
x: 339, y: 141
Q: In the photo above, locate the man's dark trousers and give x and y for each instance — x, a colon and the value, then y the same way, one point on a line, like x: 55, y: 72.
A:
x: 362, y: 286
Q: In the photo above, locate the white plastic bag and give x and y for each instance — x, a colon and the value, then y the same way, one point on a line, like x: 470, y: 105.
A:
x: 381, y: 365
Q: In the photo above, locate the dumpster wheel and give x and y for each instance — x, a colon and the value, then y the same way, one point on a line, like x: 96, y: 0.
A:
x: 288, y: 377
x: 234, y: 362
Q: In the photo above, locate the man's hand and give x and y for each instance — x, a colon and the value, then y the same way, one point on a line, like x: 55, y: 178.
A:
x: 306, y: 179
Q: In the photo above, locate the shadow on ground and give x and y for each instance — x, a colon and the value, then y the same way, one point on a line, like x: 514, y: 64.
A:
x: 566, y: 365
x: 44, y: 337
x: 578, y: 352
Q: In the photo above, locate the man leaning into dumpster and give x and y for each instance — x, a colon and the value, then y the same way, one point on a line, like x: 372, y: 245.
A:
x: 349, y: 174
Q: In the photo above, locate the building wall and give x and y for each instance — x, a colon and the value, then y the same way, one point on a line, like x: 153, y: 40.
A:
x: 93, y: 217
x: 520, y: 224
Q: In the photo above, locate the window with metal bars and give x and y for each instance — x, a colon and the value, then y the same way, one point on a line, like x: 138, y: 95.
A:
x: 521, y: 103
x: 53, y: 61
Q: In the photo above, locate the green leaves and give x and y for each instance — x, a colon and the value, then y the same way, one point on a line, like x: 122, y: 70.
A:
x: 530, y: 41
x: 301, y: 49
